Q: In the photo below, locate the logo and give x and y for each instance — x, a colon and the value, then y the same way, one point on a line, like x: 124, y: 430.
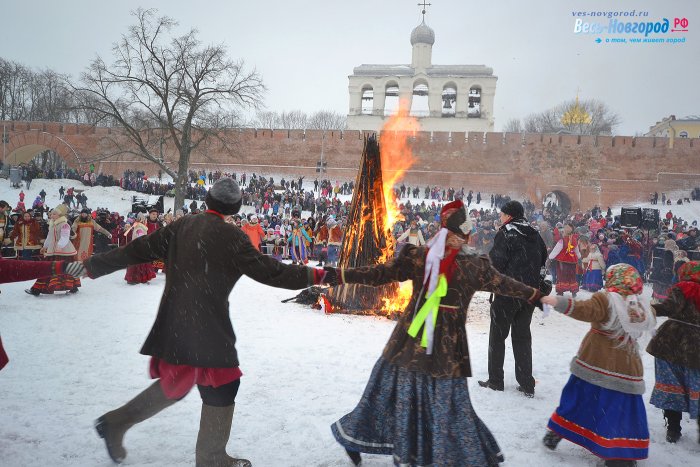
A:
x: 629, y: 27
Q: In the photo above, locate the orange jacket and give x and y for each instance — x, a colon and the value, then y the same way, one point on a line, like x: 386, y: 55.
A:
x: 255, y: 233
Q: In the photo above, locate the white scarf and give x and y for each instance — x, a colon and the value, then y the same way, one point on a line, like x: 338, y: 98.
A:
x: 436, y: 252
x: 630, y: 318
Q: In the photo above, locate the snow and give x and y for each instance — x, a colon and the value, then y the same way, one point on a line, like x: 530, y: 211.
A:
x: 74, y: 357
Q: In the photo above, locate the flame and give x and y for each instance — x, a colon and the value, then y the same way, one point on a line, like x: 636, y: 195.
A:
x: 398, y: 302
x: 397, y: 157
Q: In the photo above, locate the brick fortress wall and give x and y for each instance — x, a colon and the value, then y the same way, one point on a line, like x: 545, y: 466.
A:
x: 590, y: 170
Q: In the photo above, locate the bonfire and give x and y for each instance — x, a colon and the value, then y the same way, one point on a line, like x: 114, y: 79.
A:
x: 374, y: 210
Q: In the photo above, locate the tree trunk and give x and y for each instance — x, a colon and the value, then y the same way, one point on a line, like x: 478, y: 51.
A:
x: 182, y: 180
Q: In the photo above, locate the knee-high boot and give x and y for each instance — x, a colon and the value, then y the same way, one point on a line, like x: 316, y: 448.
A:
x: 113, y: 425
x: 214, y: 431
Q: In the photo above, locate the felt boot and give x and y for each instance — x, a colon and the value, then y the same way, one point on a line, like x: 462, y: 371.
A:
x: 113, y: 425
x: 214, y: 430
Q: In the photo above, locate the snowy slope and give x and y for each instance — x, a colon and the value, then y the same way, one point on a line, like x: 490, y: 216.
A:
x: 75, y: 357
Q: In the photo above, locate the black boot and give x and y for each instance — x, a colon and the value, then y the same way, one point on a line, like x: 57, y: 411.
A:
x: 620, y: 463
x: 214, y: 431
x: 673, y: 425
x: 551, y: 440
x: 354, y: 456
x: 491, y: 385
x: 113, y: 425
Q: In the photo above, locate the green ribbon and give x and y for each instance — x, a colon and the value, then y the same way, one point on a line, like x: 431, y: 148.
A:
x: 432, y: 303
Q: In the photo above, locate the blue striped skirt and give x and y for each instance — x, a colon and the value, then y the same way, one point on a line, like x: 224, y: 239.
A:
x: 593, y: 280
x: 677, y: 388
x: 610, y: 424
x: 418, y: 419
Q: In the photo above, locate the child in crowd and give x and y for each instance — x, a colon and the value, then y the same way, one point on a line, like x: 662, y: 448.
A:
x: 601, y: 406
x: 594, y: 265
x: 676, y: 351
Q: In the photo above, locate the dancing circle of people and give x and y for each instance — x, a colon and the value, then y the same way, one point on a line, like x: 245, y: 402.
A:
x: 416, y: 405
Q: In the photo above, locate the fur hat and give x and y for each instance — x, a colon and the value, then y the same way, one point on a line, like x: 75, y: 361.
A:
x: 61, y: 209
x: 514, y: 209
x: 86, y: 211
x: 224, y: 197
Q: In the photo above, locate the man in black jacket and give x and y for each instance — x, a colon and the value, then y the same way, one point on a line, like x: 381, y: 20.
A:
x: 519, y: 252
x: 192, y: 340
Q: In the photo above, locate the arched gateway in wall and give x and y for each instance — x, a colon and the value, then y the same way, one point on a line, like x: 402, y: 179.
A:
x: 22, y: 147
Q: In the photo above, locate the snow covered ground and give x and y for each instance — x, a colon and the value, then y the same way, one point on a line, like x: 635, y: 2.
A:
x: 73, y: 357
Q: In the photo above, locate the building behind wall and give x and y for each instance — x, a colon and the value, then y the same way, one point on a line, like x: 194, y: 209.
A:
x: 672, y: 128
x: 447, y: 98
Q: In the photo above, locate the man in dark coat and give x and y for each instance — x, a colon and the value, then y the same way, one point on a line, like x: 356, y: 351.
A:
x: 518, y: 252
x: 192, y: 340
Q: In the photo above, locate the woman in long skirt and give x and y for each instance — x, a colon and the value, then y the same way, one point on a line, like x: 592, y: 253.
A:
x: 675, y: 349
x: 601, y: 405
x: 138, y: 273
x: 57, y: 247
x: 416, y: 405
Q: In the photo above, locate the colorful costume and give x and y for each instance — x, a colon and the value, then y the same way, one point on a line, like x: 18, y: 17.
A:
x: 27, y: 237
x: 594, y: 266
x: 675, y: 349
x: 57, y: 248
x: 566, y: 255
x: 416, y: 405
x: 298, y: 241
x: 84, y: 231
x: 601, y: 406
x: 138, y: 273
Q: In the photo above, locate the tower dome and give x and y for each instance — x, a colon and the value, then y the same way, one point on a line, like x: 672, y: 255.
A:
x: 422, y: 34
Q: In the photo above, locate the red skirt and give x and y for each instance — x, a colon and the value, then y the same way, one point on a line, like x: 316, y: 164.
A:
x: 566, y: 277
x: 59, y: 282
x: 139, y: 273
x: 177, y: 380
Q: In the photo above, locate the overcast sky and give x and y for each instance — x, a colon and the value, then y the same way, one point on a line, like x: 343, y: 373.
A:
x: 305, y: 50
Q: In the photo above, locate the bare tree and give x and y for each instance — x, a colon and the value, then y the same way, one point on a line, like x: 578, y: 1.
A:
x: 293, y: 120
x: 166, y: 89
x: 513, y: 126
x: 266, y: 119
x: 327, y: 120
x: 588, y: 117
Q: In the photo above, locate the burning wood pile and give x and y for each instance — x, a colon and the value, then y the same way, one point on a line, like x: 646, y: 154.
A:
x: 368, y: 240
x: 368, y: 236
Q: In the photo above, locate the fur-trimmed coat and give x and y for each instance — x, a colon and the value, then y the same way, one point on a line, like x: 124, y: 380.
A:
x: 27, y: 235
x: 600, y: 359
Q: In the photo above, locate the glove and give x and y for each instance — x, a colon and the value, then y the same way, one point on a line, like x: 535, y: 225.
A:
x: 537, y: 300
x: 75, y: 269
x: 545, y: 286
x: 332, y: 276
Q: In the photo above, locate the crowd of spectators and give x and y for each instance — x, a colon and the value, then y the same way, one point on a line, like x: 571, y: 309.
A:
x: 279, y: 203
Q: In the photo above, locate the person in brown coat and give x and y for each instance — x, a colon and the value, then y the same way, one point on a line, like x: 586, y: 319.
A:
x: 676, y: 351
x: 192, y: 340
x: 416, y: 405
